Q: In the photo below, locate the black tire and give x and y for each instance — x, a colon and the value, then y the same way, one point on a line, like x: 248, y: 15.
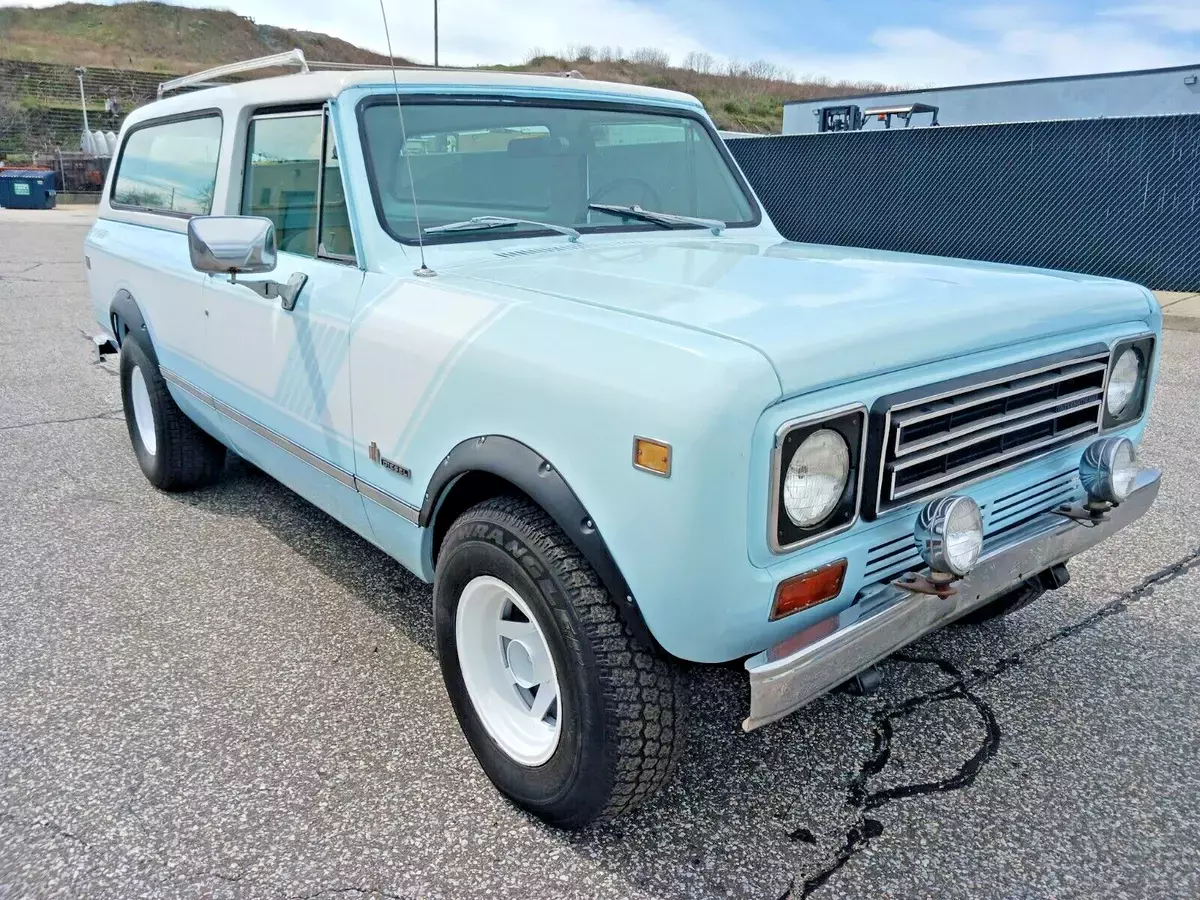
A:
x: 184, y: 456
x: 621, y: 727
x: 1018, y: 598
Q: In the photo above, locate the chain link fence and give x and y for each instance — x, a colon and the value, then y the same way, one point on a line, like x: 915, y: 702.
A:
x: 40, y: 104
x: 1114, y: 197
x: 78, y: 173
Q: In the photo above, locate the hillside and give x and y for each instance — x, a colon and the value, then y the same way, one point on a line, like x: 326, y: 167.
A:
x: 739, y: 97
x: 160, y: 38
x: 155, y: 37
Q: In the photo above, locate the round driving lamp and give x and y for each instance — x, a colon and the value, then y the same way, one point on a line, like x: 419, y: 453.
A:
x: 1123, y: 382
x: 816, y: 478
x: 1108, y: 470
x: 949, y: 535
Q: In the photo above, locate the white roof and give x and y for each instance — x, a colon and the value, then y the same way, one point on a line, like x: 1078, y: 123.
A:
x: 323, y: 85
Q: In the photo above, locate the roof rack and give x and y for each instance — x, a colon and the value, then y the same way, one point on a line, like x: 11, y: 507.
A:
x: 291, y: 57
x: 296, y: 58
x: 572, y: 73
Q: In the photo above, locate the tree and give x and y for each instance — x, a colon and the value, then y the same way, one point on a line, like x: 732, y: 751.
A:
x: 144, y: 198
x: 14, y: 124
x: 700, y: 63
x: 652, y: 56
x: 204, y: 196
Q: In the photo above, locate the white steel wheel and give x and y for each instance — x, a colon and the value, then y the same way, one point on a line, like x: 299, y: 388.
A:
x: 508, y: 670
x: 143, y: 413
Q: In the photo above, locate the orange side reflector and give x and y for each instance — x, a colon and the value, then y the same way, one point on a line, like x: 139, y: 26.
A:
x: 802, y: 591
x: 653, y: 456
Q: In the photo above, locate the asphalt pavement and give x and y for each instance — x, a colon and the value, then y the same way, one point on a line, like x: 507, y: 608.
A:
x: 226, y: 694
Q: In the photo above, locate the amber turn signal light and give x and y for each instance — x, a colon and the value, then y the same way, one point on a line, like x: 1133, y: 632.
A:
x: 802, y: 591
x: 652, y: 456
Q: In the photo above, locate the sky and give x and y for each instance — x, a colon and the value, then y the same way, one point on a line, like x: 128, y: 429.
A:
x: 897, y: 42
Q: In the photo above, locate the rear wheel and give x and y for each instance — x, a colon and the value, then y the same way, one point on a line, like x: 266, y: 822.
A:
x: 173, y: 452
x: 568, y: 713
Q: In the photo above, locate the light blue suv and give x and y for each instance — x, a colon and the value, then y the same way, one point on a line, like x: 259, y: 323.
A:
x: 536, y: 339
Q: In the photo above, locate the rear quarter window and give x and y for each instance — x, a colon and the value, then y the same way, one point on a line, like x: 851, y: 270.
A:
x: 170, y: 167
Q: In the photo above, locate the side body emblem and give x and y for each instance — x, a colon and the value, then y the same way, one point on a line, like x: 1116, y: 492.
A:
x: 373, y: 453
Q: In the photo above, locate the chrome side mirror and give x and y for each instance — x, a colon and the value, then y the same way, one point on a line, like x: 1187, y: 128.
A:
x: 242, y: 245
x: 232, y: 245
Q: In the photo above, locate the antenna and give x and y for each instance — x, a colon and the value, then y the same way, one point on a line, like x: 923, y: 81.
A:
x: 424, y: 270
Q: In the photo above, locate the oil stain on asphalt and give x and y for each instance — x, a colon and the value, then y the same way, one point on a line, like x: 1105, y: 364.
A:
x: 862, y: 799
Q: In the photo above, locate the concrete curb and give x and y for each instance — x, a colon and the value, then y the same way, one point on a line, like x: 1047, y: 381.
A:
x: 1179, y: 309
x: 1181, y: 323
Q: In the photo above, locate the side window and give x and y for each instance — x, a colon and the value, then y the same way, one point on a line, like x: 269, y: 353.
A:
x: 292, y: 168
x: 283, y: 155
x: 170, y: 168
x: 337, y: 239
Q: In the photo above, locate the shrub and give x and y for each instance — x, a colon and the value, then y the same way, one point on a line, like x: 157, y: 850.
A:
x: 652, y: 56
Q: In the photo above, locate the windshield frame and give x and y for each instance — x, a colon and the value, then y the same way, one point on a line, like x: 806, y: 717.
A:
x: 491, y: 234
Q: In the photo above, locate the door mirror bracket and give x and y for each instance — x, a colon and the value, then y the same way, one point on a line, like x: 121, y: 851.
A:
x: 288, y: 293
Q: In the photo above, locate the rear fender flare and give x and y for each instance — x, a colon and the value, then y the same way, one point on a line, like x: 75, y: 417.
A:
x: 126, y: 319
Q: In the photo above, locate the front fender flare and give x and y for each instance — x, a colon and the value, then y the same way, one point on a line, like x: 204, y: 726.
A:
x: 532, y: 473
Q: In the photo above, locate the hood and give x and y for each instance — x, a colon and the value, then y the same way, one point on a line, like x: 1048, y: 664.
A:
x: 821, y: 315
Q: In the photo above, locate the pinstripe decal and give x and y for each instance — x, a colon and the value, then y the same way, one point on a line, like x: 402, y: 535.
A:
x: 348, y: 479
x: 439, y: 379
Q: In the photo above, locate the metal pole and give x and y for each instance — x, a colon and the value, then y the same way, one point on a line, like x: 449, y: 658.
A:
x: 435, y: 33
x: 82, y: 99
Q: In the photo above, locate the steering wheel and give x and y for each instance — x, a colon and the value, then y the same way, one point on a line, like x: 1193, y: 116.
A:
x: 651, y: 197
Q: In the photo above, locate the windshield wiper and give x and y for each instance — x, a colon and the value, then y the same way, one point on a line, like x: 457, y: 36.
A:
x: 666, y: 220
x: 478, y: 223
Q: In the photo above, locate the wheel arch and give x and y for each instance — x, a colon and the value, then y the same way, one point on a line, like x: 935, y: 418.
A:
x: 126, y: 319
x: 491, y: 465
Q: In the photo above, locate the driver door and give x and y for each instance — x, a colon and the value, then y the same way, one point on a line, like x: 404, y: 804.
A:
x: 284, y: 374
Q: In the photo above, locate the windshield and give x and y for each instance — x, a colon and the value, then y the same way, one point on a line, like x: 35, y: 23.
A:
x: 544, y: 162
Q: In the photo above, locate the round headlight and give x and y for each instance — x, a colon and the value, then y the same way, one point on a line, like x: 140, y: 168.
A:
x: 964, y: 536
x: 949, y: 535
x: 1108, y: 469
x: 816, y: 478
x: 1123, y: 382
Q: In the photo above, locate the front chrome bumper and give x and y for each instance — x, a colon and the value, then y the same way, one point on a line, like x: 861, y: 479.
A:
x: 885, y: 618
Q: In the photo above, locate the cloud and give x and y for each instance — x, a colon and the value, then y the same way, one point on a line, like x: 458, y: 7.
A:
x: 1003, y: 42
x: 1172, y: 15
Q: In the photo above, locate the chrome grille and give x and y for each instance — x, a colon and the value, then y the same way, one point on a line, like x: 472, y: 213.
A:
x: 950, y: 437
x: 1000, y: 515
x: 1019, y: 507
x: 892, y: 557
